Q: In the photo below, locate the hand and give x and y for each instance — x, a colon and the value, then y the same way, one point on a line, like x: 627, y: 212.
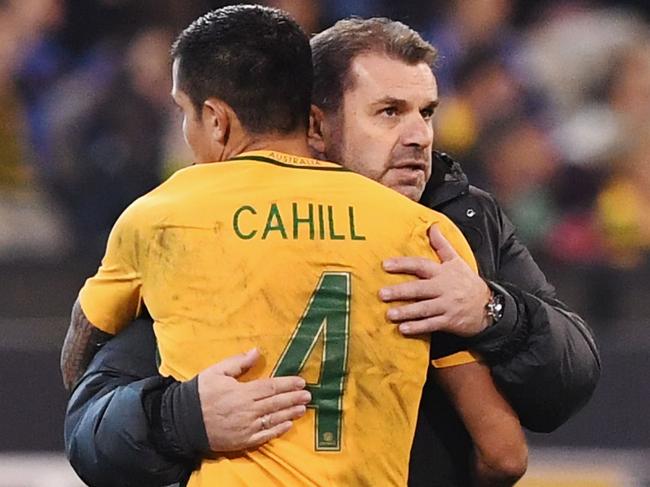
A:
x: 448, y: 296
x: 240, y: 415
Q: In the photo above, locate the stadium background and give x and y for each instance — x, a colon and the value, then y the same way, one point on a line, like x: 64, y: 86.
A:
x: 546, y: 103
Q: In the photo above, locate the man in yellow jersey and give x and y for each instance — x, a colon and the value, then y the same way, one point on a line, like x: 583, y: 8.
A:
x: 276, y: 250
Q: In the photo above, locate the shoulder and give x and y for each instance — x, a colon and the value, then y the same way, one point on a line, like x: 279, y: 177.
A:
x: 485, y: 198
x: 471, y: 205
x: 388, y: 202
x: 149, y: 207
x: 139, y: 211
x: 165, y: 196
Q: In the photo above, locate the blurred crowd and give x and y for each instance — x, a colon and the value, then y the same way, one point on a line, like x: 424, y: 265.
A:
x: 553, y: 116
x: 545, y: 103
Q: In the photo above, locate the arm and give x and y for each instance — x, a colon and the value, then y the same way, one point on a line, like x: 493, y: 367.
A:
x: 106, y: 303
x: 126, y: 425
x: 501, y: 454
x: 109, y: 420
x: 80, y: 345
x: 543, y: 357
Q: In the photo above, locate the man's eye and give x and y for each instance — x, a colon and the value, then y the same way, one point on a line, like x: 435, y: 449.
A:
x: 389, y: 111
x: 427, y: 114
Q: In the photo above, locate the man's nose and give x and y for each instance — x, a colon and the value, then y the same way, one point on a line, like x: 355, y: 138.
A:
x: 417, y: 132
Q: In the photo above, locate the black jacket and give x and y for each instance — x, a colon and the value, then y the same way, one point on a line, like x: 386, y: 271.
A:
x: 125, y: 425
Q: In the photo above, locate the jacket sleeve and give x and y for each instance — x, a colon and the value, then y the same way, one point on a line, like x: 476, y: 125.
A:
x: 126, y: 425
x: 543, y: 355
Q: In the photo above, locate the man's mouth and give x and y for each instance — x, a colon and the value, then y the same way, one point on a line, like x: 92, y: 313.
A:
x: 411, y: 165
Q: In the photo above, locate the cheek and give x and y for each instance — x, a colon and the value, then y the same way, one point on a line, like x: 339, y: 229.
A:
x: 367, y: 149
x: 429, y: 168
x: 363, y: 158
x: 193, y: 139
x: 184, y: 126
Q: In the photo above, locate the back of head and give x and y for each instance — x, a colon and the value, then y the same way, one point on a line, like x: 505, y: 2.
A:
x: 334, y: 50
x: 256, y: 59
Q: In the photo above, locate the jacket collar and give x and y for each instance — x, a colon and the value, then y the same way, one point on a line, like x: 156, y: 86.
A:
x: 448, y: 181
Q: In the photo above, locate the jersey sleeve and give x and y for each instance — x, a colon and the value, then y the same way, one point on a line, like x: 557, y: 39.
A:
x: 447, y: 350
x: 112, y: 298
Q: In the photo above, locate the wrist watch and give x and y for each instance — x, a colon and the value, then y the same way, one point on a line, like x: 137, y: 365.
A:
x: 494, y: 307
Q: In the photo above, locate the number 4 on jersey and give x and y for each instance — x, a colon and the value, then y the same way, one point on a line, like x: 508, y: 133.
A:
x: 327, y: 314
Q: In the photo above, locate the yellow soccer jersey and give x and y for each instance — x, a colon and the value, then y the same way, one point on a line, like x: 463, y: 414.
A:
x: 282, y: 253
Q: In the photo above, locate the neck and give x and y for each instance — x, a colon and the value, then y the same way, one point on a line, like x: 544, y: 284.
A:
x: 295, y: 144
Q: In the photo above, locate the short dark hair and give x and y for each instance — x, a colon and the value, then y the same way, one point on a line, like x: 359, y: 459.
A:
x: 334, y: 49
x: 257, y: 59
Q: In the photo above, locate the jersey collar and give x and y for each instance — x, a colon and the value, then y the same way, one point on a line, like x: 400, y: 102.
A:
x: 287, y: 160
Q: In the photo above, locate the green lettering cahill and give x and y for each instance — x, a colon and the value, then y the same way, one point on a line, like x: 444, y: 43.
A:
x: 303, y: 221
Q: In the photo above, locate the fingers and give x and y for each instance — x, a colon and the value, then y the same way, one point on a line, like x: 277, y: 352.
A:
x: 263, y: 388
x: 416, y: 266
x: 238, y: 364
x: 421, y: 327
x: 408, y: 291
x: 283, y: 401
x: 271, y: 420
x: 285, y: 415
x: 277, y: 416
x: 416, y: 311
x: 275, y: 424
x: 441, y: 245
x: 265, y: 435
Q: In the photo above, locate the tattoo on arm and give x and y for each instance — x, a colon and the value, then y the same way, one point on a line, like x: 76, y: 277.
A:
x: 81, y: 343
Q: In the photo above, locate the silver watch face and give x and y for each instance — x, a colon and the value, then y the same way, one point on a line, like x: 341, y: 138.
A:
x: 495, y: 307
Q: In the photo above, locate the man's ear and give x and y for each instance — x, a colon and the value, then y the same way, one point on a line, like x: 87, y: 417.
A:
x: 217, y: 118
x: 315, y: 132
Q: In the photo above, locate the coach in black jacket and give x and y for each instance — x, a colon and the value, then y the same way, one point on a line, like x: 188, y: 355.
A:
x: 125, y: 425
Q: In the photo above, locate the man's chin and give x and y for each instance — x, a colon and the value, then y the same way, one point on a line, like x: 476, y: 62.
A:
x: 407, y: 182
x: 412, y: 192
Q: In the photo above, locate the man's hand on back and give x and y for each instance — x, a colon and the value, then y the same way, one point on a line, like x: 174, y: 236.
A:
x: 447, y: 296
x: 240, y: 415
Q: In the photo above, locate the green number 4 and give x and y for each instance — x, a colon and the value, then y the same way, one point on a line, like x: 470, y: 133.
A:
x: 327, y: 314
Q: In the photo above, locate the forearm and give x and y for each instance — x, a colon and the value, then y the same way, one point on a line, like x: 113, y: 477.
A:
x: 543, y: 358
x: 124, y: 425
x: 122, y: 422
x: 80, y: 345
x: 499, y: 442
x: 108, y: 440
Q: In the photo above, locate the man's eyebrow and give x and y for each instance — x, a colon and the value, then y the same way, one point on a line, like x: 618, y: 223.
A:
x: 390, y: 100
x: 432, y: 105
